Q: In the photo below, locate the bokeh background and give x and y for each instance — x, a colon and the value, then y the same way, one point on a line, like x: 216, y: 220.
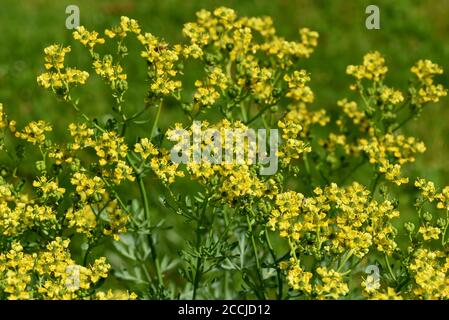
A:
x: 410, y: 30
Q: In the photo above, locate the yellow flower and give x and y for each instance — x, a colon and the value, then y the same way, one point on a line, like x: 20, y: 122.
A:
x: 299, y: 279
x: 34, y: 132
x: 89, y: 39
x: 58, y: 77
x: 443, y: 199
x: 429, y: 232
x: 145, y: 148
x: 59, y: 276
x: 425, y: 71
x: 49, y: 188
x: 84, y: 220
x: 332, y: 284
x: 427, y: 189
x: 373, y: 67
x: 293, y: 145
x: 390, y: 294
x: 91, y: 189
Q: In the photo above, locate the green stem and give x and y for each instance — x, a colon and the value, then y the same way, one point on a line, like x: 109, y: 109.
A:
x: 86, y: 255
x: 244, y: 115
x: 265, y: 124
x: 147, y: 275
x: 144, y: 197
x: 349, y: 255
x: 365, y: 101
x: 156, y: 120
x: 196, y: 281
x: 361, y: 163
x: 404, y: 104
x: 400, y: 125
x: 306, y: 163
x: 443, y: 237
x: 268, y: 106
x: 198, y: 263
x: 278, y: 271
x: 309, y: 178
x: 374, y: 184
x: 136, y: 115
x: 146, y: 205
x: 116, y: 195
x: 389, y: 267
x: 254, y: 247
x: 78, y: 110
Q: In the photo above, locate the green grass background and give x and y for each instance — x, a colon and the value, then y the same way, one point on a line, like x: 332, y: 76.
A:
x: 410, y: 30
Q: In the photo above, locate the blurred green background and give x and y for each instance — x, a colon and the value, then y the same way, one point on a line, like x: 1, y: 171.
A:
x: 410, y: 30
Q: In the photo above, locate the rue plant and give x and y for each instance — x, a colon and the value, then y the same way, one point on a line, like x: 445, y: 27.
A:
x: 83, y: 224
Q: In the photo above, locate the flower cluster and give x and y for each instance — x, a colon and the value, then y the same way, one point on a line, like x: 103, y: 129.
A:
x: 373, y: 68
x: 59, y: 77
x: 49, y: 274
x: 390, y: 152
x: 332, y: 206
x: 221, y: 156
x: 356, y: 224
x: 427, y: 90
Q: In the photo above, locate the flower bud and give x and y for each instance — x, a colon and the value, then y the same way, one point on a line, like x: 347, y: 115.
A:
x: 3, y: 171
x: 209, y: 59
x: 40, y: 166
x: 186, y: 107
x: 441, y: 223
x: 75, y: 165
x: 277, y: 92
x: 122, y: 85
x: 427, y: 216
x: 97, y: 197
x: 295, y: 170
x: 233, y: 92
x: 409, y: 226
